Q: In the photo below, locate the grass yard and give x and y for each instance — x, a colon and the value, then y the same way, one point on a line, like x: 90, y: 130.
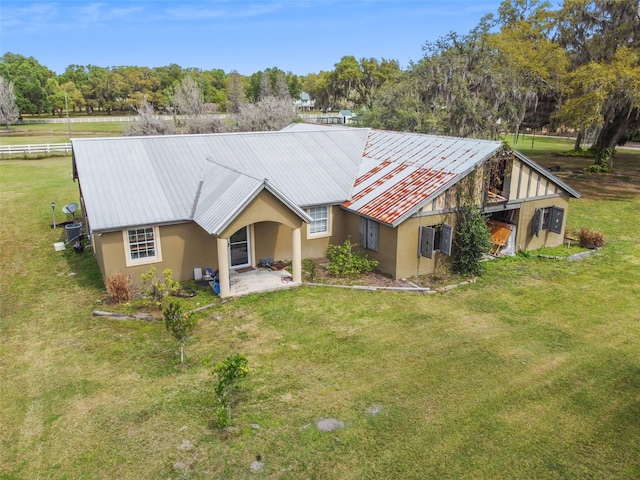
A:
x: 59, y: 132
x: 532, y: 372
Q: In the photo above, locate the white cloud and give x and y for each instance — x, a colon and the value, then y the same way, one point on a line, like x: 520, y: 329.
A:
x: 228, y: 10
x: 29, y: 17
x: 100, y: 12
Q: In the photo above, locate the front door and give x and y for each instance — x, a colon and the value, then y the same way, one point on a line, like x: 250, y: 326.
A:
x: 239, y: 248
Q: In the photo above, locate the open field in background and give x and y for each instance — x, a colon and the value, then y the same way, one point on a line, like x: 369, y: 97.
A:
x: 532, y: 372
x: 58, y: 132
x: 623, y: 183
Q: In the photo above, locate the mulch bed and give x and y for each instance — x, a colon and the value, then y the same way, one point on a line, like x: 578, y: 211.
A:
x: 378, y: 279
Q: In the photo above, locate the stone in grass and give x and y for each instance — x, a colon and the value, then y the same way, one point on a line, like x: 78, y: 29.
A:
x: 257, y: 465
x: 329, y: 424
x: 374, y: 409
x: 186, y: 445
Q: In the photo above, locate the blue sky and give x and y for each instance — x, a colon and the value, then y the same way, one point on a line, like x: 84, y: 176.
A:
x: 303, y: 36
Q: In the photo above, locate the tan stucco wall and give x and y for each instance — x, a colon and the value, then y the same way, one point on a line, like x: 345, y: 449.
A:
x: 265, y: 207
x: 525, y: 240
x: 314, y: 247
x: 387, y: 242
x: 184, y: 247
x: 275, y: 240
x: 272, y: 240
x: 409, y: 262
x: 187, y: 246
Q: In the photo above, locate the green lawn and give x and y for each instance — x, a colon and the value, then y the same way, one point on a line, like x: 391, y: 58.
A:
x: 59, y: 132
x: 532, y: 372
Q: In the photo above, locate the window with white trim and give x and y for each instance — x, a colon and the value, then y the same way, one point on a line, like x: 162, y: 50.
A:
x: 319, y: 220
x: 142, y: 245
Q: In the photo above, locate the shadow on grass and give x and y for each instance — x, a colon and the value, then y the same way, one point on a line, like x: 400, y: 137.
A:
x: 85, y: 267
x: 621, y: 185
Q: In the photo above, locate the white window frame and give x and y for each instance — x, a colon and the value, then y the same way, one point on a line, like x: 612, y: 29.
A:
x: 132, y: 262
x: 314, y: 223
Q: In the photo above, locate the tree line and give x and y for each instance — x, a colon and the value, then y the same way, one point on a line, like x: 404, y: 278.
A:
x: 92, y: 89
x: 529, y: 65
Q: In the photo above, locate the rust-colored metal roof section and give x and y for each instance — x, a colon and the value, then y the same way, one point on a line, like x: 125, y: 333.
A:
x: 400, y: 172
x: 406, y: 195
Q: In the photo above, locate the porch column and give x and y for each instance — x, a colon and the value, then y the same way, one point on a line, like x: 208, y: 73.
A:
x: 223, y: 266
x: 296, y: 262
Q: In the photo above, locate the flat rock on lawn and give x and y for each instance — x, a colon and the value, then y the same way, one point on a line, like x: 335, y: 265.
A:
x: 329, y: 424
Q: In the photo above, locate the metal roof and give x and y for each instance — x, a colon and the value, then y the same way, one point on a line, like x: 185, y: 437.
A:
x: 386, y: 176
x: 400, y: 172
x: 225, y: 193
x: 153, y: 180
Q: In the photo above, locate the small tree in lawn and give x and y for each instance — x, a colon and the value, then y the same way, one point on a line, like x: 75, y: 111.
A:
x: 179, y: 324
x: 228, y: 371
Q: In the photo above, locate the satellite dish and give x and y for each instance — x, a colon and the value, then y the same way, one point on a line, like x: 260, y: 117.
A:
x: 70, y: 208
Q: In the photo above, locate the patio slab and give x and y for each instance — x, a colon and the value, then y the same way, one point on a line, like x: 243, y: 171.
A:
x: 260, y: 280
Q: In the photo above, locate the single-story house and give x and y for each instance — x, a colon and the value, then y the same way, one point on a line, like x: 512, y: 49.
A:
x: 227, y: 200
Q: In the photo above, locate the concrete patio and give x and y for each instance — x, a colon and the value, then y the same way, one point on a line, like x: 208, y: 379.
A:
x: 259, y: 280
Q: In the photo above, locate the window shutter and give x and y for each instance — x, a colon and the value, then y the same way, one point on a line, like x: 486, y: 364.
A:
x: 363, y: 232
x: 557, y: 215
x: 446, y: 235
x: 372, y: 235
x: 422, y: 242
x: 537, y: 222
x: 427, y: 237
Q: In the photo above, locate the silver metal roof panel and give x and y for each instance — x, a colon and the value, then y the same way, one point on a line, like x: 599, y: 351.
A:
x: 388, y: 176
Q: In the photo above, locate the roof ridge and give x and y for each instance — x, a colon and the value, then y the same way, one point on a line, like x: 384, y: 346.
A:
x: 422, y: 134
x: 218, y: 134
x: 211, y: 160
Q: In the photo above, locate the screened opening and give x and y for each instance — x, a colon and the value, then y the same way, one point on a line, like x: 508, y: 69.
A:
x: 498, y: 177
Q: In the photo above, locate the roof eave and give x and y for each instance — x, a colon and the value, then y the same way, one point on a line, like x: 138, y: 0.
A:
x: 265, y: 185
x: 545, y: 173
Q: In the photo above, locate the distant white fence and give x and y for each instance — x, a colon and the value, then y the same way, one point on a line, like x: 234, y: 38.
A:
x: 309, y: 117
x: 34, y: 121
x: 36, y: 148
x: 37, y: 121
